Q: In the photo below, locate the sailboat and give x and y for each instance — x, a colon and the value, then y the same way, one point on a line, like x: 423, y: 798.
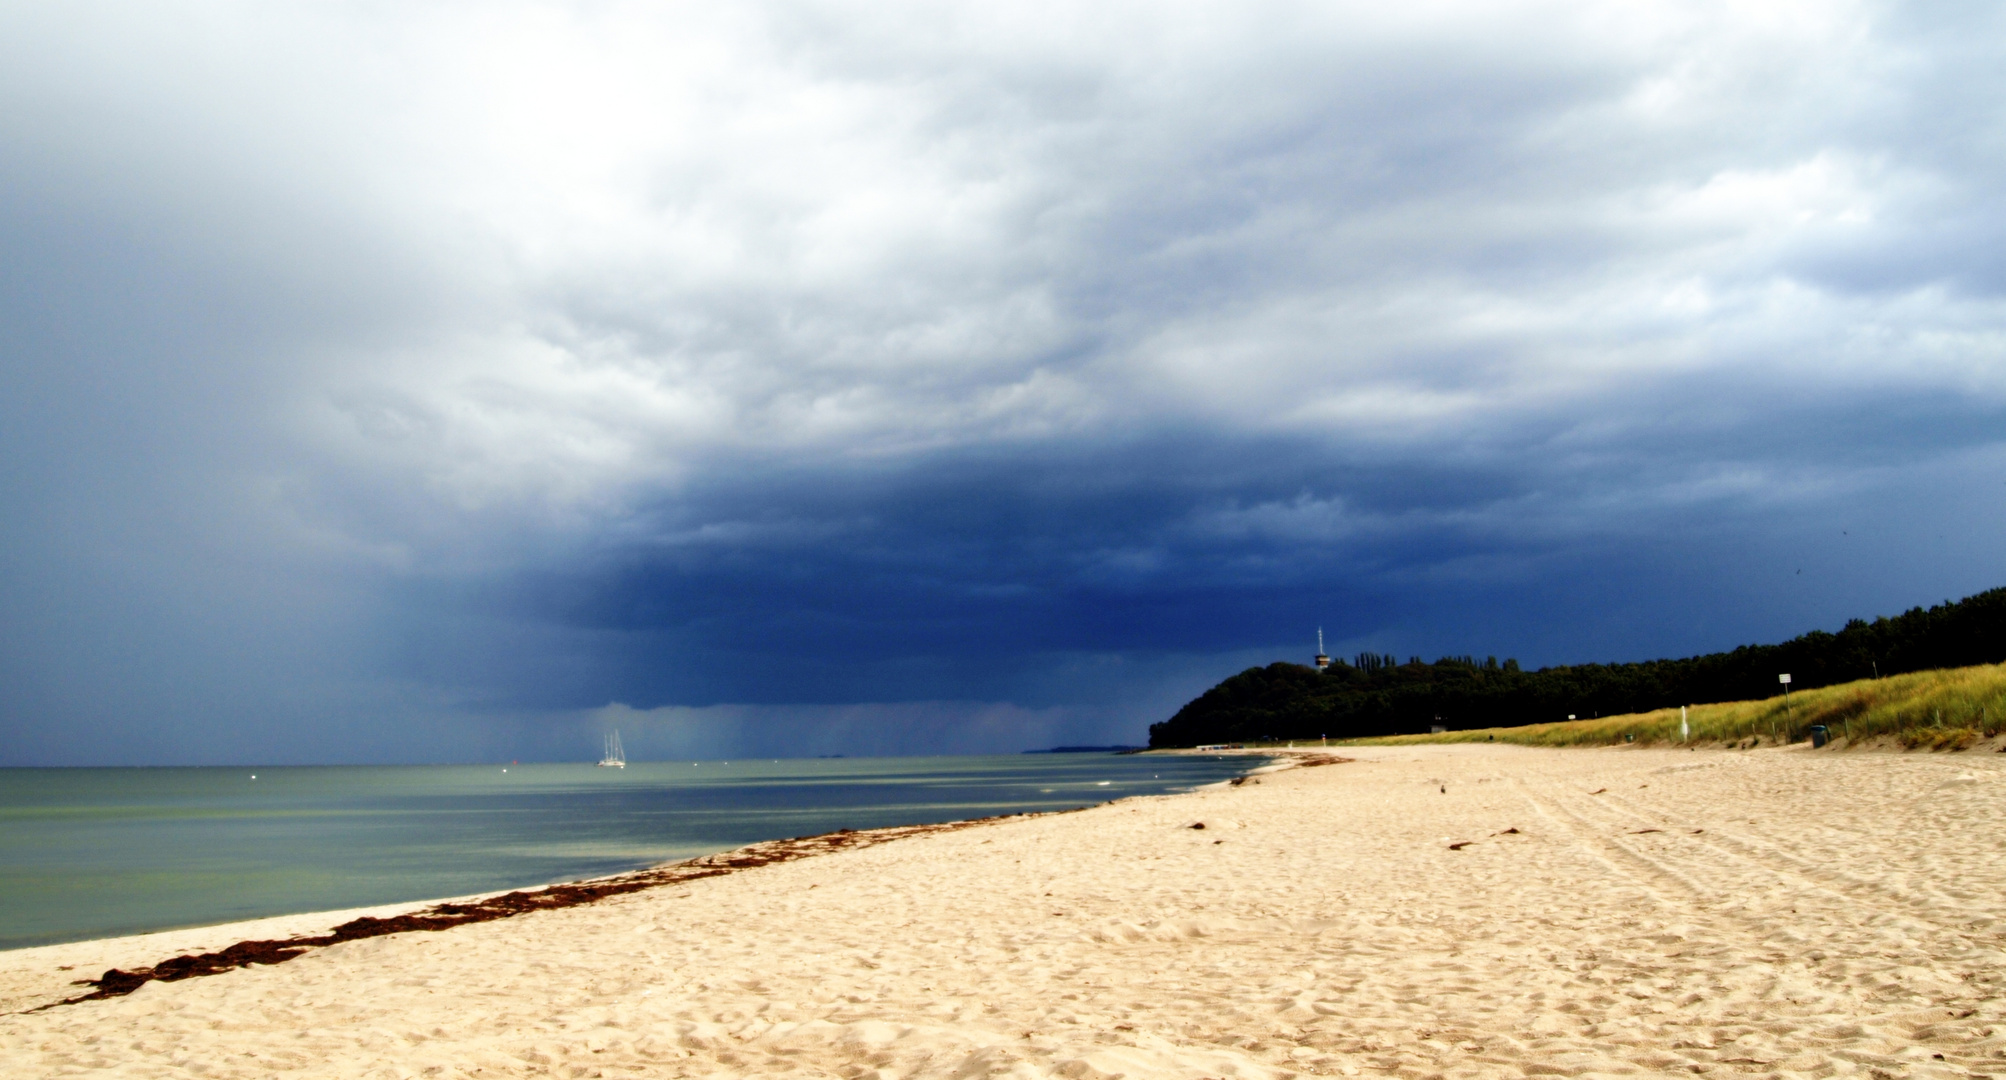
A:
x: 616, y: 756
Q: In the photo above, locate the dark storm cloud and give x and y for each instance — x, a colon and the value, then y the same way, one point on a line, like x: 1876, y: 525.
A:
x: 424, y: 382
x: 967, y: 575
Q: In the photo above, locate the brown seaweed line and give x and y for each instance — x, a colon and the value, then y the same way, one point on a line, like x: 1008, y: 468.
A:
x: 117, y: 983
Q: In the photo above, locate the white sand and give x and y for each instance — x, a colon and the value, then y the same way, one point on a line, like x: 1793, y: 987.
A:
x: 1839, y: 915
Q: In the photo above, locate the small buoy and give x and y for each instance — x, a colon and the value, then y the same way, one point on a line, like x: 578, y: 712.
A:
x: 254, y: 776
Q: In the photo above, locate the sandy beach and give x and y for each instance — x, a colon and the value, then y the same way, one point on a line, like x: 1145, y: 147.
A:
x: 1420, y: 911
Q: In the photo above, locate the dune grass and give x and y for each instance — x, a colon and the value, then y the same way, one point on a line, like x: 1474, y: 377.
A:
x: 1948, y: 709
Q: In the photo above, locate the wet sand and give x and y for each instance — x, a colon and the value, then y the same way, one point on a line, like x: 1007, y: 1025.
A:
x: 1776, y: 912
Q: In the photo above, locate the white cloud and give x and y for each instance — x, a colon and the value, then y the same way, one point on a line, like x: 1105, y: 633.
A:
x: 795, y: 230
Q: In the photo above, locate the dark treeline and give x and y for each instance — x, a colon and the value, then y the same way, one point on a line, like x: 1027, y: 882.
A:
x: 1377, y: 695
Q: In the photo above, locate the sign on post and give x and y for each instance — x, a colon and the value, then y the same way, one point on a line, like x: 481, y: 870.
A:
x: 1787, y: 710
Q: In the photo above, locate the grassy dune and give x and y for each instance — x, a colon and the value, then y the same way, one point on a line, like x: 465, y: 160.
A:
x: 1939, y: 710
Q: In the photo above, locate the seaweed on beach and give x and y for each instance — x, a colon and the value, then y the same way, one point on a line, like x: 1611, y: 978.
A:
x: 117, y: 982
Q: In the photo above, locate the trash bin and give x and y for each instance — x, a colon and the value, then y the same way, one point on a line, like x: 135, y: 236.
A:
x: 1819, y: 736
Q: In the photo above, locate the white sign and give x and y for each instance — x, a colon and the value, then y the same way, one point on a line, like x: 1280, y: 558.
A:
x: 1784, y: 679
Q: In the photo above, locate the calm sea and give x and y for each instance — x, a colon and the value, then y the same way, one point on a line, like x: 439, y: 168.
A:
x: 87, y: 853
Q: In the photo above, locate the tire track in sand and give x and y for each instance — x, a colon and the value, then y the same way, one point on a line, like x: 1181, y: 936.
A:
x: 1710, y: 878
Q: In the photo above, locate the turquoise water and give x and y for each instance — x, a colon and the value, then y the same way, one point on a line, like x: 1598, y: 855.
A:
x: 87, y: 853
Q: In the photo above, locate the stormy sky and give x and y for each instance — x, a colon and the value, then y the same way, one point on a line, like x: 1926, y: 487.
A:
x: 441, y: 382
